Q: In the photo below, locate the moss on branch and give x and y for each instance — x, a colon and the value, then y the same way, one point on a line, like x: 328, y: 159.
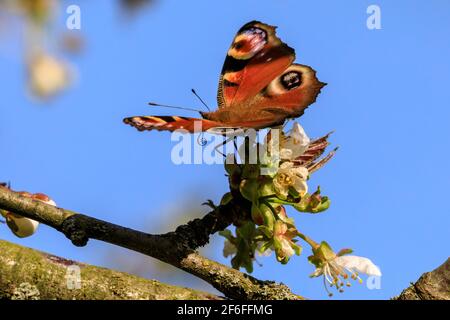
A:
x: 29, y: 274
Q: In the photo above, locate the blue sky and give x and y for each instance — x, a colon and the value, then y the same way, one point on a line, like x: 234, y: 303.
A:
x: 387, y: 100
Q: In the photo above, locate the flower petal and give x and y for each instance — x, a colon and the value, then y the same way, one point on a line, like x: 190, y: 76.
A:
x: 286, y: 248
x: 297, y: 141
x: 286, y: 166
x: 359, y: 264
x: 280, y: 188
x: 229, y: 249
x: 286, y: 153
x: 300, y: 186
x: 22, y: 227
x: 302, y: 172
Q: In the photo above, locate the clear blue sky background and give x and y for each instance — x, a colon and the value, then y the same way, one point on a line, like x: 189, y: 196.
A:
x: 387, y: 98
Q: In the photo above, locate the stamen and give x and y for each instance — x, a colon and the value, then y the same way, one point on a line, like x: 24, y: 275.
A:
x: 326, y: 287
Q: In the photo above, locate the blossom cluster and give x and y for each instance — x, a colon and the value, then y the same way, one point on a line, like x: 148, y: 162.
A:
x: 279, y: 179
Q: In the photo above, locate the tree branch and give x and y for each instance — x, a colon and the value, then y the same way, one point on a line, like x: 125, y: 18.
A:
x: 29, y: 274
x: 176, y: 248
x: 434, y: 285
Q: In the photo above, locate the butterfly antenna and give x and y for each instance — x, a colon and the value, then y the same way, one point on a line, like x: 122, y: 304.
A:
x: 173, y: 107
x: 201, y: 100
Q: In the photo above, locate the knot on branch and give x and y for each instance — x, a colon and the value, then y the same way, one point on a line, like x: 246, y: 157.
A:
x: 73, y: 230
x: 196, y: 233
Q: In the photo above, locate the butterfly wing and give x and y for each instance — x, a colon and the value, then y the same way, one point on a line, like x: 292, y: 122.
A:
x: 290, y: 93
x: 259, y: 87
x: 259, y: 81
x: 170, y: 123
x: 255, y: 57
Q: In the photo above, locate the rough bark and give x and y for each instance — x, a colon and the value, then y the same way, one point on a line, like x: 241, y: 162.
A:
x: 29, y: 274
x: 434, y: 285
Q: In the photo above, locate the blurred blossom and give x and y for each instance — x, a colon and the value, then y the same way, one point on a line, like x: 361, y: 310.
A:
x: 48, y: 75
x: 34, y: 14
x: 39, y: 11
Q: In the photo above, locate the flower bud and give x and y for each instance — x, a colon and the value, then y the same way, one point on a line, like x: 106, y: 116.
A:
x: 267, y: 215
x: 21, y: 226
x: 257, y: 215
x: 249, y: 189
x: 250, y: 171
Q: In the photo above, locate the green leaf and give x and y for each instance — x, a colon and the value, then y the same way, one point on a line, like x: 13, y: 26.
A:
x: 313, y: 203
x: 246, y: 230
x: 227, y: 234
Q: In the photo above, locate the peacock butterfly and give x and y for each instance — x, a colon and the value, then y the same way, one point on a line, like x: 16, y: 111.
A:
x: 259, y: 87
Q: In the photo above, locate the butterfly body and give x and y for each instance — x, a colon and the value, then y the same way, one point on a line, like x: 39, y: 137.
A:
x: 259, y: 86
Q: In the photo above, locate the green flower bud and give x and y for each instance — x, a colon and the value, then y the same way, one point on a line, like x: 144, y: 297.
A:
x: 249, y: 189
x: 267, y: 215
x: 250, y: 171
x: 257, y: 215
x: 266, y: 189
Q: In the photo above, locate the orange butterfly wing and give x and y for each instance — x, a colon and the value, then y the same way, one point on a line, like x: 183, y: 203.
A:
x: 259, y: 86
x: 255, y: 57
x: 259, y: 81
x: 170, y: 123
x: 291, y: 92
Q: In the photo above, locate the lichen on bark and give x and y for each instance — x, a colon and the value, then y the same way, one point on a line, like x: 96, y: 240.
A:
x: 29, y: 274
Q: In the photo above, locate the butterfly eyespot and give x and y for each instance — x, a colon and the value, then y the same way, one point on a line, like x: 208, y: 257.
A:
x: 239, y: 45
x: 291, y: 80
